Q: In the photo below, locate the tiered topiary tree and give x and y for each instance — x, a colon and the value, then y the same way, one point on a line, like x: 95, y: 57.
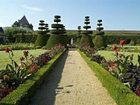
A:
x: 86, y: 39
x: 99, y: 39
x: 79, y: 35
x: 57, y: 33
x: 42, y: 34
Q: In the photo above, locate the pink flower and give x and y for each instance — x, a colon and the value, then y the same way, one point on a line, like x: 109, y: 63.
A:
x: 112, y: 65
x: 116, y: 48
x: 122, y: 42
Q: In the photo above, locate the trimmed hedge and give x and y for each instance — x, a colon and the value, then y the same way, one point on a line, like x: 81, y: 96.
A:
x: 41, y: 40
x: 116, y: 38
x: 119, y: 92
x: 22, y: 94
x: 86, y: 40
x: 56, y: 39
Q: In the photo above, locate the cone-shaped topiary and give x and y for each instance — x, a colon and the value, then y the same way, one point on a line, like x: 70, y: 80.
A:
x: 57, y: 34
x: 78, y: 36
x: 99, y: 39
x: 42, y: 35
x: 86, y: 37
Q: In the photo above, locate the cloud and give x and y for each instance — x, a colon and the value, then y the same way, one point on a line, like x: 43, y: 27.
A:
x: 32, y: 8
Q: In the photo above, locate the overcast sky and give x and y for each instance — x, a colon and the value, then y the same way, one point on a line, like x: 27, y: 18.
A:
x: 116, y: 14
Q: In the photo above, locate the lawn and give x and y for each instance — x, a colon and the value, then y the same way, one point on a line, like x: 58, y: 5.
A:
x: 4, y: 57
x: 109, y: 55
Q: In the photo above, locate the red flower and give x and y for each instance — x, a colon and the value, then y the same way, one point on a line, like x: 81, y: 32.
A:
x: 112, y: 65
x: 33, y: 68
x: 7, y: 50
x: 115, y: 48
x: 122, y: 42
x: 21, y: 58
x: 26, y: 53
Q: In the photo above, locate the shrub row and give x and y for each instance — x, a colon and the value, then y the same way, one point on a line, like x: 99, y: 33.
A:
x: 120, y: 93
x: 18, y: 46
x: 25, y: 91
x: 117, y: 38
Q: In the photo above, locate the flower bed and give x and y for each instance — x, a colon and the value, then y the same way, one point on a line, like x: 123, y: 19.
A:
x: 119, y: 92
x: 122, y: 68
x: 19, y: 76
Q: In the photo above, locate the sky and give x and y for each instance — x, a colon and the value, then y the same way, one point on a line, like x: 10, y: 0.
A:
x: 116, y: 14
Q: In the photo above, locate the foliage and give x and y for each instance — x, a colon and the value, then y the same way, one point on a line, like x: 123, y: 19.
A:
x: 43, y: 36
x: 117, y: 38
x: 121, y: 66
x: 18, y: 46
x: 99, y: 39
x: 15, y: 74
x: 86, y: 37
x: 57, y: 34
x: 99, y: 42
x: 86, y: 40
x: 18, y: 73
x: 120, y: 93
x: 13, y: 31
x: 22, y: 94
x: 41, y: 40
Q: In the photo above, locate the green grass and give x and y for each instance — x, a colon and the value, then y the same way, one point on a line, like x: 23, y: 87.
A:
x: 119, y: 92
x: 109, y: 55
x: 4, y: 57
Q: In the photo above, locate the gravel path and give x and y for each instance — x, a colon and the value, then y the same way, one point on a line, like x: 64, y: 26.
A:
x: 72, y: 82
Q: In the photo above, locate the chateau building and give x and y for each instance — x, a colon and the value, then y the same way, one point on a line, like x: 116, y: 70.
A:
x: 23, y: 23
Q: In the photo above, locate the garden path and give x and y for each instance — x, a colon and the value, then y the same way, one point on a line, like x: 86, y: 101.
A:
x: 72, y: 82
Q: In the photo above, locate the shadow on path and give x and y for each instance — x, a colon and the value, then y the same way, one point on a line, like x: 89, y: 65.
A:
x: 45, y: 95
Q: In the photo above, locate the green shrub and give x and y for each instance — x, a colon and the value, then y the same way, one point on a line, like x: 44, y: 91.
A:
x: 86, y: 40
x: 41, y: 40
x: 56, y: 39
x: 57, y: 34
x: 119, y: 92
x: 99, y: 42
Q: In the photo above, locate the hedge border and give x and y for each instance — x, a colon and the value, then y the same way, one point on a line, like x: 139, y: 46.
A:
x: 22, y: 95
x: 118, y: 91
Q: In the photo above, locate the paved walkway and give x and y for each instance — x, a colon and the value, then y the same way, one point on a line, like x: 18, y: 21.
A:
x: 72, y: 82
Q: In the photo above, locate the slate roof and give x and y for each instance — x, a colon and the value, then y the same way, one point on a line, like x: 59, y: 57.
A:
x: 23, y: 21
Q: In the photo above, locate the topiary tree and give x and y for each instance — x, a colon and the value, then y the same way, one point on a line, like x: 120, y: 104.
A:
x: 78, y: 36
x: 86, y: 37
x: 99, y: 39
x: 57, y: 34
x: 42, y: 34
